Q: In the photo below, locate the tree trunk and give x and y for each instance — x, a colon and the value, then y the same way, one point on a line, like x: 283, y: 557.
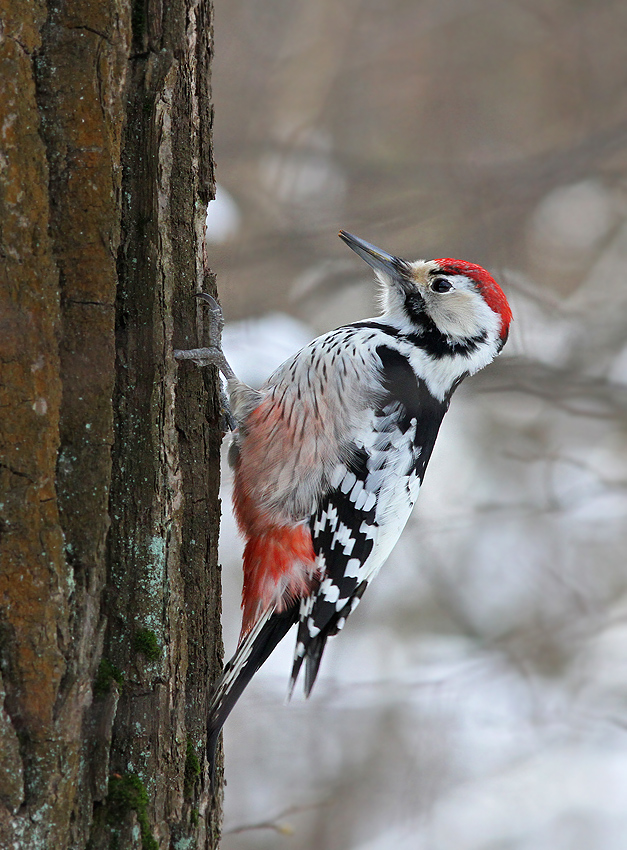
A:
x: 109, y: 465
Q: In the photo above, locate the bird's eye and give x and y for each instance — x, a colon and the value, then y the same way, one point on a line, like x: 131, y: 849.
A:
x: 441, y: 284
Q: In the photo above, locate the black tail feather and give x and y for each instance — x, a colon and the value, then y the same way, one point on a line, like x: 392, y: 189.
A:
x: 313, y: 659
x: 310, y: 649
x: 251, y: 654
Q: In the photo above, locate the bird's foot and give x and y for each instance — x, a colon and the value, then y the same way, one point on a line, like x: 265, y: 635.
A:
x: 205, y: 357
x: 213, y: 354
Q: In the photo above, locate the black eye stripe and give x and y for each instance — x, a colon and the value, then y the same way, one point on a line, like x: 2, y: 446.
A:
x: 441, y: 284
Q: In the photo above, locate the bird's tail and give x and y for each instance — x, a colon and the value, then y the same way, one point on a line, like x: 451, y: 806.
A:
x: 252, y: 652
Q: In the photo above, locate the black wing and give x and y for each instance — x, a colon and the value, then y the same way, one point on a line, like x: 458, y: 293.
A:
x: 388, y: 457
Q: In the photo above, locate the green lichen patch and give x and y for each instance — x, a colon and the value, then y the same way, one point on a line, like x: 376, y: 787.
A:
x: 107, y: 673
x: 146, y: 642
x: 194, y: 816
x: 127, y: 793
x: 192, y: 769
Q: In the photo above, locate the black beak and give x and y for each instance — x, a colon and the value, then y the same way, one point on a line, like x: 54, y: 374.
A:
x: 379, y: 260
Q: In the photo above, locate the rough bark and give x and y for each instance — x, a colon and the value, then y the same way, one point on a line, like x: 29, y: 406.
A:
x: 109, y: 583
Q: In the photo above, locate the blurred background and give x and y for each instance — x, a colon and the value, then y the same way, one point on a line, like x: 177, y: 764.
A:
x: 478, y: 698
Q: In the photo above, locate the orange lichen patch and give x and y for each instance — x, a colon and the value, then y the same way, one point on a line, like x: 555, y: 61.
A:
x: 24, y: 28
x: 32, y: 600
x: 35, y: 579
x: 33, y: 590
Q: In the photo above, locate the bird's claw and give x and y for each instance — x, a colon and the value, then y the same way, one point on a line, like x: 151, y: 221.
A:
x: 216, y: 321
x: 213, y: 354
x: 211, y: 301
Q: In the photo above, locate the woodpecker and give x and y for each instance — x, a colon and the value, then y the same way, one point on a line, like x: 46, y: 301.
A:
x: 329, y: 455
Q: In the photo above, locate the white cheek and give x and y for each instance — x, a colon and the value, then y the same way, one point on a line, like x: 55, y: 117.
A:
x: 464, y: 314
x: 461, y: 315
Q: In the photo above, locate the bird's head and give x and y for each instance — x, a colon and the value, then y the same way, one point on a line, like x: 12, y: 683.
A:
x: 460, y: 299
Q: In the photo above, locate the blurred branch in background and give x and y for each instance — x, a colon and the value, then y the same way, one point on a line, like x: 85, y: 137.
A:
x: 480, y: 699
